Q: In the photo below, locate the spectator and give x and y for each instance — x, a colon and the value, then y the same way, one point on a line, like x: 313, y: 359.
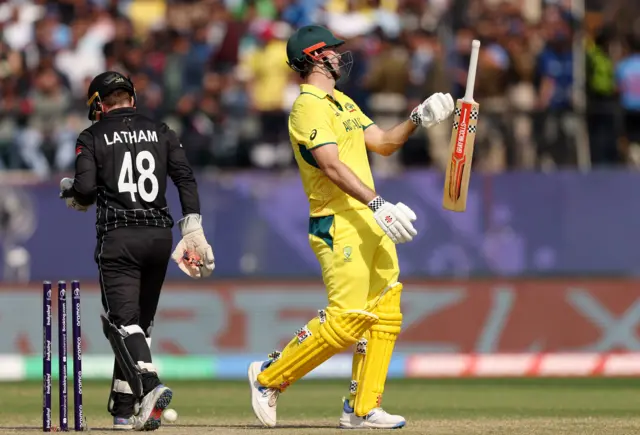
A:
x: 78, y: 62
x: 216, y: 69
x: 428, y: 75
x: 601, y: 100
x: 47, y: 140
x: 267, y: 73
x: 555, y: 100
x: 628, y: 80
x: 388, y: 83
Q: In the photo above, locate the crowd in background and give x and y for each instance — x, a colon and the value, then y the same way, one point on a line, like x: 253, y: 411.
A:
x: 215, y: 71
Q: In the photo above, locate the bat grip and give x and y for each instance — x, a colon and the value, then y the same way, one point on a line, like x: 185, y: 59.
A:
x: 473, y: 67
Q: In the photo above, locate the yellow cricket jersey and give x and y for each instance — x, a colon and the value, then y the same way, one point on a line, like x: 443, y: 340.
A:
x: 318, y: 119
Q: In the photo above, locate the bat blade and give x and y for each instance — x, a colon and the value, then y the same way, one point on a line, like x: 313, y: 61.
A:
x: 463, y: 137
x: 458, y: 174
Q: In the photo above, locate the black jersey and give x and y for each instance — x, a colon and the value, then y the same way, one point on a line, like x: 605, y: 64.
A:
x: 122, y: 164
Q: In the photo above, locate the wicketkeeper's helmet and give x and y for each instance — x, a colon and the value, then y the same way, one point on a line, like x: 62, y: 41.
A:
x: 103, y: 85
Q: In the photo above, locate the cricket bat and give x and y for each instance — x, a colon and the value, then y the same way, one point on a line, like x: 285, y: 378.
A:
x: 463, y: 136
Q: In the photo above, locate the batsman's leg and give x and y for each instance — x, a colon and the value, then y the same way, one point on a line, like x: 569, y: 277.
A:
x: 373, y: 353
x: 315, y: 343
x: 345, y: 271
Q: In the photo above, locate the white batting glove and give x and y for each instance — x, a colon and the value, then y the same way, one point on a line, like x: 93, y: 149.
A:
x: 395, y: 220
x: 65, y: 185
x: 433, y: 110
x: 193, y: 254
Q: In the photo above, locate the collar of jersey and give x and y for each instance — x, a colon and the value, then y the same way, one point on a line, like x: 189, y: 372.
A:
x: 319, y: 93
x: 120, y: 111
x: 313, y: 90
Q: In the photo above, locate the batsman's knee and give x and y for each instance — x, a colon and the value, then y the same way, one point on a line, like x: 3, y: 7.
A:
x: 387, y: 307
x: 344, y: 330
x: 321, y: 338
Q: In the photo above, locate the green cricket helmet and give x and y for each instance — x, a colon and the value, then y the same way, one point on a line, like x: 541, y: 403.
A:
x: 305, y: 50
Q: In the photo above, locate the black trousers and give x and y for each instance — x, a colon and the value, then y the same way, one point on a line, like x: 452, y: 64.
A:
x: 132, y: 264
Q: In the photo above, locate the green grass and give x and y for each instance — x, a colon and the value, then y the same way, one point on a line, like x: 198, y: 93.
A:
x: 527, y: 406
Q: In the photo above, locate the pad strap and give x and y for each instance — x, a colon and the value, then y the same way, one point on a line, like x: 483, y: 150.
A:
x: 121, y: 386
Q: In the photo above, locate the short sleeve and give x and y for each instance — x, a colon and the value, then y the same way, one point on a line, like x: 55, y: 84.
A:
x: 365, y: 121
x: 311, y: 124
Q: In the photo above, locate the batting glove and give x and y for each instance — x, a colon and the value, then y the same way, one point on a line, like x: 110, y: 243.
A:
x: 65, y: 186
x: 193, y: 254
x: 433, y: 110
x: 395, y: 220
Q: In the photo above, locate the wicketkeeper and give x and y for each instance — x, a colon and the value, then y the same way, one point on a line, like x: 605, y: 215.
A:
x: 352, y: 230
x: 122, y: 164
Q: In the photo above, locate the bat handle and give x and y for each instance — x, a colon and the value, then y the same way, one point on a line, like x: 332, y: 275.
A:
x: 473, y: 67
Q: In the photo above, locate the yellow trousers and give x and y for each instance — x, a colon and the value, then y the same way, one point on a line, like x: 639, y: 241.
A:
x: 357, y: 258
x: 360, y: 271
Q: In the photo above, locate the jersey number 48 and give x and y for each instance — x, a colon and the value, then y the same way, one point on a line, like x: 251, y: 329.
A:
x: 126, y: 182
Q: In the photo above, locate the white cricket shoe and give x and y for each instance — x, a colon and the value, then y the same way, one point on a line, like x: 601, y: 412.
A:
x: 263, y: 400
x: 378, y: 418
x: 123, y: 423
x: 149, y: 416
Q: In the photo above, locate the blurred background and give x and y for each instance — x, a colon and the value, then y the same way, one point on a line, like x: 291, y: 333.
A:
x: 543, y: 262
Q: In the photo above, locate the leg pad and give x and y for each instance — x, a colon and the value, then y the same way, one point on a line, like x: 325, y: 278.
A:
x: 383, y: 335
x: 318, y: 341
x: 130, y: 369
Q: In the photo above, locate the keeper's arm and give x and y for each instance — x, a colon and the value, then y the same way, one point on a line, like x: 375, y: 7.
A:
x: 85, y: 188
x: 180, y: 172
x: 340, y: 174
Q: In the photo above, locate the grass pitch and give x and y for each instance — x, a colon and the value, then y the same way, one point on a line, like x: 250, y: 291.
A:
x: 432, y: 407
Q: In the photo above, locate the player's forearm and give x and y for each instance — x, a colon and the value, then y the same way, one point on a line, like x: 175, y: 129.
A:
x: 84, y: 199
x: 183, y: 178
x: 393, y: 139
x: 188, y: 194
x: 84, y: 189
x: 343, y: 177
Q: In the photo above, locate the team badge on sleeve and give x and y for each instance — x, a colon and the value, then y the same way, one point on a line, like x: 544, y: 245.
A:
x: 78, y: 149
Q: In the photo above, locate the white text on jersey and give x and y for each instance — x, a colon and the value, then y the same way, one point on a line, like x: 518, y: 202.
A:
x: 132, y: 137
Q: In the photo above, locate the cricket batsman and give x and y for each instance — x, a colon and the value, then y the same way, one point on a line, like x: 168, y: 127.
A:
x: 352, y: 230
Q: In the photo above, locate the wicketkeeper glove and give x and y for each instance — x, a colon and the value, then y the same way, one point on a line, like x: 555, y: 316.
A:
x: 395, y: 220
x: 193, y: 254
x: 65, y: 186
x: 433, y: 110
